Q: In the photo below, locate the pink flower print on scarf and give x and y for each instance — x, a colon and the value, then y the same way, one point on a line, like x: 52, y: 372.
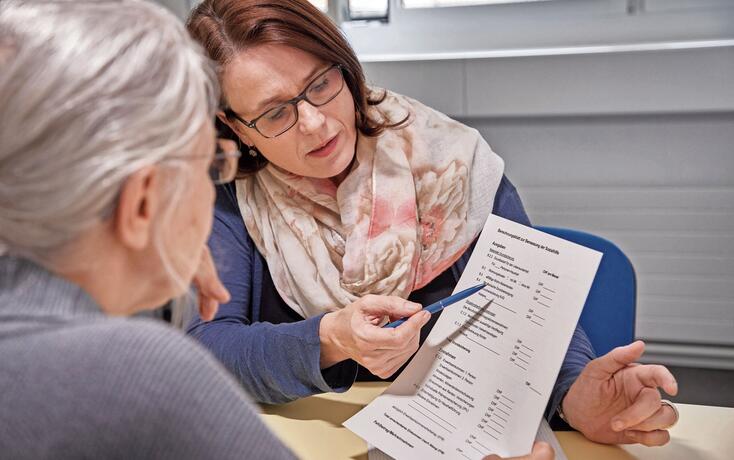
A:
x: 385, y: 216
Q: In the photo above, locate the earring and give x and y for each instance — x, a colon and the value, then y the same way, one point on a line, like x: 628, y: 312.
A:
x: 251, y: 149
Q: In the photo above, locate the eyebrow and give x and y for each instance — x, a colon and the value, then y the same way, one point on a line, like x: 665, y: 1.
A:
x: 307, y: 80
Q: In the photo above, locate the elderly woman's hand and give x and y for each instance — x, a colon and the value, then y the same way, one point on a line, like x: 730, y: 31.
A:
x: 210, y: 289
x: 356, y: 332
x: 616, y: 401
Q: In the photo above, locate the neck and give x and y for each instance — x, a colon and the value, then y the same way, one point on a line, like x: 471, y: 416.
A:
x: 115, y: 284
x: 108, y: 284
x: 339, y: 178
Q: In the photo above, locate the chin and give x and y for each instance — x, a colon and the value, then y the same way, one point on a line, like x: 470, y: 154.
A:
x: 340, y: 162
x: 340, y: 168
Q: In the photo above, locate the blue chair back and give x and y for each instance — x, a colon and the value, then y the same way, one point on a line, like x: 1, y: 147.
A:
x: 608, y: 316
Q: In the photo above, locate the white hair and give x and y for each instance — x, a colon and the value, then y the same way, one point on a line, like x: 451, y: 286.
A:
x: 90, y: 92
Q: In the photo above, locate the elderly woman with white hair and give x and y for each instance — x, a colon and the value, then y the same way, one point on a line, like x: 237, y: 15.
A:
x: 106, y: 161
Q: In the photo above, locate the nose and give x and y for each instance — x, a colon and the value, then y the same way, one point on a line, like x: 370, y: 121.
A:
x: 310, y: 118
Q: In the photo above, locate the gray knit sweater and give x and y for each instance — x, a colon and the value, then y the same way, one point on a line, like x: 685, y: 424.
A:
x: 75, y: 383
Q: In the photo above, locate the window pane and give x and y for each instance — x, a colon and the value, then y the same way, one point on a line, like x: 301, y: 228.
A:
x: 367, y: 9
x: 435, y: 3
x: 323, y: 5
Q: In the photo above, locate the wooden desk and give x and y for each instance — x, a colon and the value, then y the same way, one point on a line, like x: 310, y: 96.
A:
x: 312, y: 427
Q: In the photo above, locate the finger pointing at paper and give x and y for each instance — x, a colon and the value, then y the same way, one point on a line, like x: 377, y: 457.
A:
x: 355, y: 332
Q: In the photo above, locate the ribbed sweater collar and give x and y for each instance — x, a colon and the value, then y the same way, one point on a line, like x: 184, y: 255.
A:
x: 30, y: 290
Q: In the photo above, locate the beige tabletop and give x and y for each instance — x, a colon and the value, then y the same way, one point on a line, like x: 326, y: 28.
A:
x: 312, y: 427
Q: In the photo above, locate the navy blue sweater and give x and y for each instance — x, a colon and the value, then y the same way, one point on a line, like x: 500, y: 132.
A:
x: 275, y: 353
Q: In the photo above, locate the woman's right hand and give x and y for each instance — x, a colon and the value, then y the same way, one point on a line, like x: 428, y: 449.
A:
x: 355, y: 332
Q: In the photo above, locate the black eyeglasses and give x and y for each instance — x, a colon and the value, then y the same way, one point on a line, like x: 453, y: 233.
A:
x: 322, y: 89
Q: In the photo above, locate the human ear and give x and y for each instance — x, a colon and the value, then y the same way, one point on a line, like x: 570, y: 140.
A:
x: 137, y: 207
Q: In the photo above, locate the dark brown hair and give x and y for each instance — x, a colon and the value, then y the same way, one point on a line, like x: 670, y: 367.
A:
x: 226, y: 27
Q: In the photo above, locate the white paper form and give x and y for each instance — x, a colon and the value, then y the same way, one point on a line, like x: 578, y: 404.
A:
x: 482, y: 379
x: 545, y: 433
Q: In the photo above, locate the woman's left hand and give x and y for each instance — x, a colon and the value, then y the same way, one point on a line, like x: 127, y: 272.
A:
x: 209, y: 287
x: 616, y: 401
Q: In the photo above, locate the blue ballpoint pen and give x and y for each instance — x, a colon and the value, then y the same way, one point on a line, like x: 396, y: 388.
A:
x: 441, y: 304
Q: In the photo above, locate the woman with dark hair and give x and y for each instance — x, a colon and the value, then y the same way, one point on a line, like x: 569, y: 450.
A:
x: 347, y: 191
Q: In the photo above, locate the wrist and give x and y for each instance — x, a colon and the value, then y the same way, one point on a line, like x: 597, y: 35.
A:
x: 560, y: 410
x: 568, y: 410
x: 331, y: 353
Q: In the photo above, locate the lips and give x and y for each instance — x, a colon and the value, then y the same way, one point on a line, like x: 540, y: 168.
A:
x: 324, y: 149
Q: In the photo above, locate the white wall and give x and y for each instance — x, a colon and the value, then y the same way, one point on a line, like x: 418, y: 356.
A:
x: 636, y: 146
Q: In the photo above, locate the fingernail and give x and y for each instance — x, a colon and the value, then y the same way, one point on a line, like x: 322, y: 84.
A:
x: 617, y: 425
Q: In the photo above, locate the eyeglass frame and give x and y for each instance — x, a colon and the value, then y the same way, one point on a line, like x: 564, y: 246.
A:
x: 218, y: 155
x: 228, y: 112
x: 222, y: 155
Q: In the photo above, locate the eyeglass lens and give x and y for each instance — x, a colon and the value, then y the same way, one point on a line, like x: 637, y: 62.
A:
x: 223, y: 169
x: 322, y: 90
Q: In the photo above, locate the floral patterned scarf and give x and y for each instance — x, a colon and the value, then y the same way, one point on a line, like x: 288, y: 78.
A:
x: 413, y: 202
